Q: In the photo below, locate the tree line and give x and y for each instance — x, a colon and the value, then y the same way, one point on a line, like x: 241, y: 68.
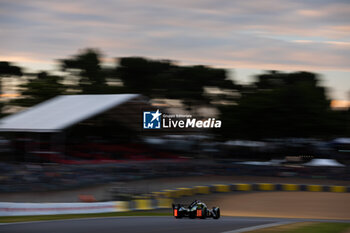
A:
x: 276, y: 104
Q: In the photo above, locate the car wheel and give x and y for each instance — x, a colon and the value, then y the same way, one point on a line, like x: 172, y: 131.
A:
x: 177, y: 213
x: 204, y: 213
x: 217, y: 213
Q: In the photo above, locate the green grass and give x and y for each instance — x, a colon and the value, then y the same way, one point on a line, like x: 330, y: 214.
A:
x: 9, y: 219
x: 317, y: 227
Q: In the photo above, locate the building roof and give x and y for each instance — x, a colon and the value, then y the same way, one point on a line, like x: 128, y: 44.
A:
x: 58, y: 113
x: 324, y: 162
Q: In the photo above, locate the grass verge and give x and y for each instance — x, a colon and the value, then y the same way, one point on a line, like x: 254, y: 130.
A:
x: 10, y: 219
x: 324, y: 227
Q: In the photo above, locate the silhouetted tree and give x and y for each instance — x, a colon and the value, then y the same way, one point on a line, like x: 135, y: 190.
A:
x: 43, y: 87
x: 7, y: 70
x: 281, y: 105
x: 164, y: 79
x: 87, y: 67
x: 275, y: 105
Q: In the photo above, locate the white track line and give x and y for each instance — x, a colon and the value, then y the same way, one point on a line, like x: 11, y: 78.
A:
x: 257, y: 227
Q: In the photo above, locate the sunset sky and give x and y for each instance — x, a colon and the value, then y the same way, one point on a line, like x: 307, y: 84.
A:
x: 243, y: 36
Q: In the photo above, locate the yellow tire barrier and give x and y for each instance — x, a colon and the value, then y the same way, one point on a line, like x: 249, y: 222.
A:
x: 222, y: 188
x: 122, y: 206
x: 243, y: 187
x: 290, y: 187
x: 338, y: 189
x: 170, y: 193
x: 266, y: 187
x: 164, y: 199
x: 314, y: 188
x: 143, y: 204
x: 185, y: 191
x: 164, y: 202
x: 202, y: 189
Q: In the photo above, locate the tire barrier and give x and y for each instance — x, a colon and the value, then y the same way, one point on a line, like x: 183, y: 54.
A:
x: 155, y: 200
x: 267, y: 187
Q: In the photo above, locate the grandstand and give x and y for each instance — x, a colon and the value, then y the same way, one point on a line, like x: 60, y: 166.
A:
x: 80, y: 129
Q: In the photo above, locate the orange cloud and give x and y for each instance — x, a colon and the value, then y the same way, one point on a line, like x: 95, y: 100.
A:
x: 340, y: 104
x: 9, y: 95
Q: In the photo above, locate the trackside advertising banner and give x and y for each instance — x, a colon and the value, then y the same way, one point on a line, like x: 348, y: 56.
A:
x: 17, y: 209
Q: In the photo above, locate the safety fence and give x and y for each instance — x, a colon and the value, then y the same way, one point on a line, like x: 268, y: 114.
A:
x: 21, y: 209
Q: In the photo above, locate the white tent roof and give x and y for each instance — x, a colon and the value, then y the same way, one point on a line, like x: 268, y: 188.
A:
x: 258, y: 163
x: 61, y: 112
x: 342, y: 140
x: 245, y: 143
x: 272, y: 162
x: 324, y: 162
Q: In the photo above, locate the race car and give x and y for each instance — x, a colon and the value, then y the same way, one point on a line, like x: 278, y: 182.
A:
x: 196, y: 209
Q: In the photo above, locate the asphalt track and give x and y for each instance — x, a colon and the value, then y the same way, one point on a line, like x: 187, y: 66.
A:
x: 146, y: 224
